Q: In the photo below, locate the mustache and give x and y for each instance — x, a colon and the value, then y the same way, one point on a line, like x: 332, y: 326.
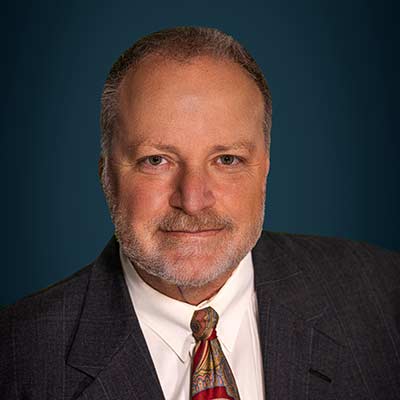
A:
x: 207, y: 220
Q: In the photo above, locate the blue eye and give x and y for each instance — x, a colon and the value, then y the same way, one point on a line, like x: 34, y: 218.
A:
x: 228, y: 159
x: 154, y: 160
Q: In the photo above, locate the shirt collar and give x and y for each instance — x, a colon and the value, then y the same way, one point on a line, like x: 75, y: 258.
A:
x: 170, y: 319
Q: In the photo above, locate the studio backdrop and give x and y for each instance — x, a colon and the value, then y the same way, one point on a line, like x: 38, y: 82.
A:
x: 333, y: 70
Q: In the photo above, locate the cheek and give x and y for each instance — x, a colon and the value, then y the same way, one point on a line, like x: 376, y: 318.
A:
x: 142, y: 200
x: 241, y: 198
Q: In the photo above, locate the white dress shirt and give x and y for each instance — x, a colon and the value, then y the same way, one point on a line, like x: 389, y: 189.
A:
x: 165, y: 323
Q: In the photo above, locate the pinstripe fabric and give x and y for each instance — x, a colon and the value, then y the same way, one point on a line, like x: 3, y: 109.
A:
x: 329, y: 328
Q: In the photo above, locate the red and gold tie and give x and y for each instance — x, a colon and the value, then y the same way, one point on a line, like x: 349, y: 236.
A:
x: 212, y: 377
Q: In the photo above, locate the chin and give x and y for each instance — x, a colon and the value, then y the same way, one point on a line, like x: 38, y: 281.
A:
x: 185, y: 260
x: 192, y: 271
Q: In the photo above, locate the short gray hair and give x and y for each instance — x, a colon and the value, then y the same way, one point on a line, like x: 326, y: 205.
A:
x: 179, y: 44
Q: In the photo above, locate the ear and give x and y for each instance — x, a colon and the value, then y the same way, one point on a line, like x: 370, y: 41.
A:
x: 267, y: 166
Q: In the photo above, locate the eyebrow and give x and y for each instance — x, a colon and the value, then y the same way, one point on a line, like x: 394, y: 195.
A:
x: 244, y: 144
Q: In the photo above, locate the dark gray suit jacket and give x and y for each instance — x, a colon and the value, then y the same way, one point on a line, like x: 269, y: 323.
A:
x: 329, y: 327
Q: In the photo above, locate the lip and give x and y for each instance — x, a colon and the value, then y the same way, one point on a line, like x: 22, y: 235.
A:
x: 194, y: 234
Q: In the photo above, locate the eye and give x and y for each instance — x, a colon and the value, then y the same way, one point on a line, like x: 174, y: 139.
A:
x: 228, y: 159
x: 154, y: 160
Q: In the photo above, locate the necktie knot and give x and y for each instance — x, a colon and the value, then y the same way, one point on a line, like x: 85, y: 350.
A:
x: 203, y: 323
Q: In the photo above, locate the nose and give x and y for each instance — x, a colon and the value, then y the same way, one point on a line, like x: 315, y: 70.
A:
x: 192, y: 192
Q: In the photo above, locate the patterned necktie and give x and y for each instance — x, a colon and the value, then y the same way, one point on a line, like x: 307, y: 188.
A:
x: 212, y: 377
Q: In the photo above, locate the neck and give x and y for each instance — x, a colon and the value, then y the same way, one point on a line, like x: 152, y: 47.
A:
x: 187, y: 294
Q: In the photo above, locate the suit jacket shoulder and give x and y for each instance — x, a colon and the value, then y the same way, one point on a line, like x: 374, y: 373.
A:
x: 30, y: 333
x: 341, y: 300
x: 349, y: 269
x: 79, y: 339
x: 336, y: 257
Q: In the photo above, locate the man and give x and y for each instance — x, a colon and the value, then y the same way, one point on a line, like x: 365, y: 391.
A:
x: 190, y: 300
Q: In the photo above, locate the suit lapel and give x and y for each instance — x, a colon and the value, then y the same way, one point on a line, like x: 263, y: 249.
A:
x: 300, y: 358
x: 109, y: 345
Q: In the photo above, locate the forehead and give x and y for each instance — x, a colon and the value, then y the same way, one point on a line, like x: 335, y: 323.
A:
x: 204, y: 96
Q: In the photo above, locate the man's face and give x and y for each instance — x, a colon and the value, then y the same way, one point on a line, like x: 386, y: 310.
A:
x: 185, y: 178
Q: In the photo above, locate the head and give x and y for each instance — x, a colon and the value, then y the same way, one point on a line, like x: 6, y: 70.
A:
x: 186, y: 119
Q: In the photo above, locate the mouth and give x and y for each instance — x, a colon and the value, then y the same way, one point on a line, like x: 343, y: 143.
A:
x: 193, y: 233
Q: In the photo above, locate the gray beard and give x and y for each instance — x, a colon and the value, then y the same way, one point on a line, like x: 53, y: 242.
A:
x: 149, y: 257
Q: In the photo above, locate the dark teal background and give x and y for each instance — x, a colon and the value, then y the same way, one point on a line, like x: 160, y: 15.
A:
x: 333, y: 69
